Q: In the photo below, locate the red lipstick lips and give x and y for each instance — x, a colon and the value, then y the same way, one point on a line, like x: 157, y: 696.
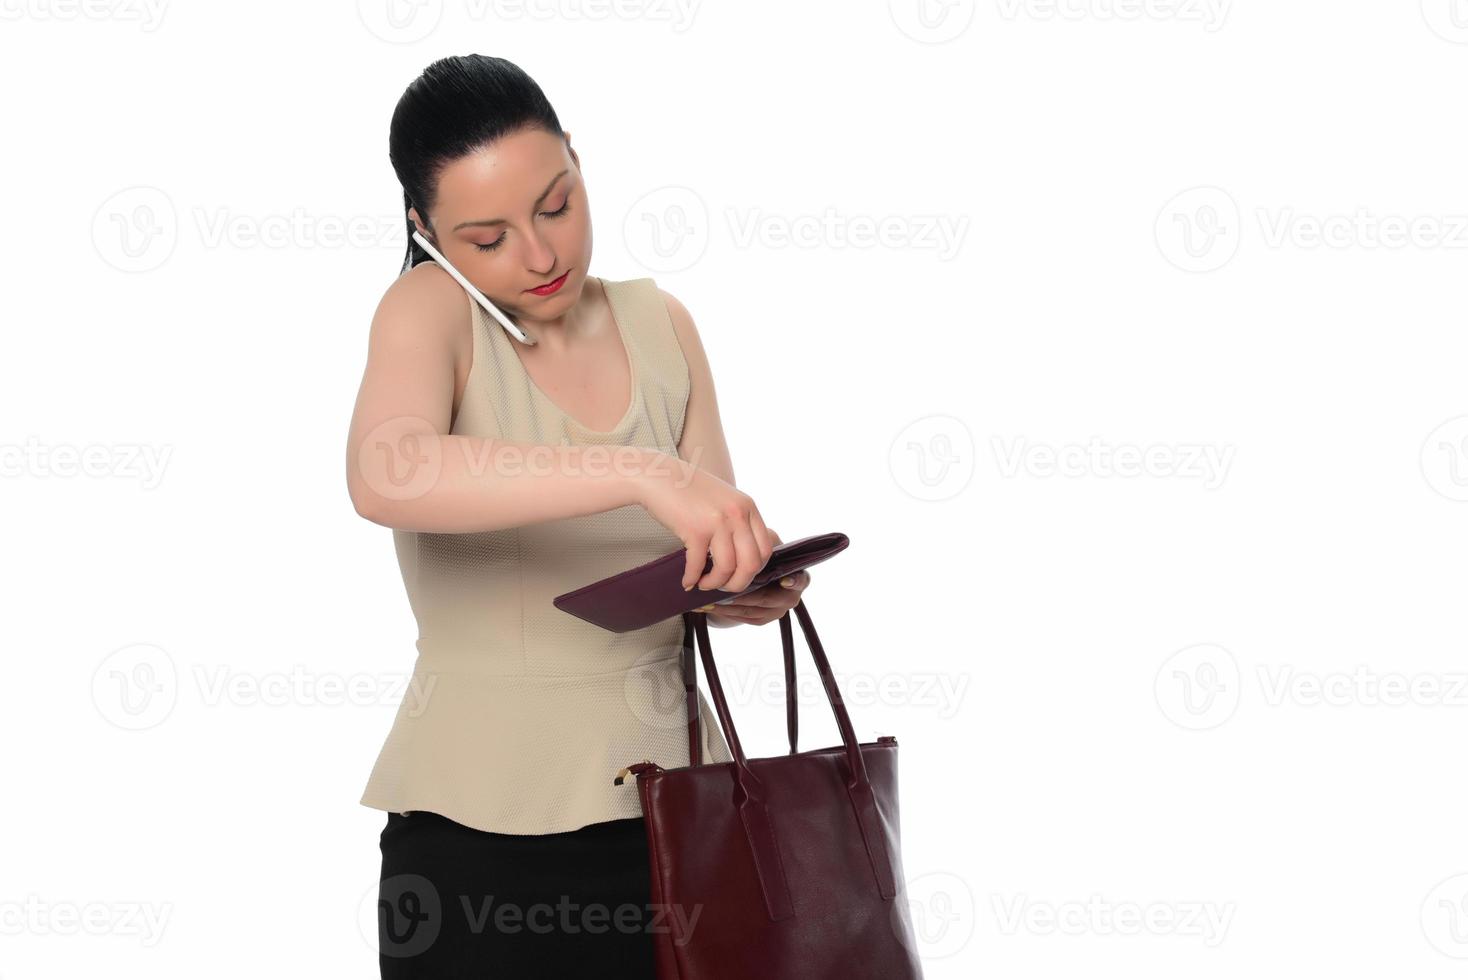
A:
x: 551, y: 286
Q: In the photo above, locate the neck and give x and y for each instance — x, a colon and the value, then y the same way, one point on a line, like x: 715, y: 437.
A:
x: 557, y: 333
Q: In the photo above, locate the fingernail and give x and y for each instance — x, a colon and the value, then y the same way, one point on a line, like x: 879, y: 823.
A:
x: 704, y: 609
x: 787, y: 582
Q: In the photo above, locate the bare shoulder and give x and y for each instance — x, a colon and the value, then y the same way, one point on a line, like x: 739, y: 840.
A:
x: 686, y: 332
x: 425, y: 311
x: 424, y: 305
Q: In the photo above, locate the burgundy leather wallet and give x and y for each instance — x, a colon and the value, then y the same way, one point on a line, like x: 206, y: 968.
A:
x: 653, y: 591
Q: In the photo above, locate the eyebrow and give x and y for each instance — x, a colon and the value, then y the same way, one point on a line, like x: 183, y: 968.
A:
x: 499, y: 221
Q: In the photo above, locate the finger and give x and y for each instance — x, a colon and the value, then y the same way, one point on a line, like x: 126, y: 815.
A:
x: 770, y: 599
x: 697, y: 557
x: 722, y: 547
x: 778, y: 593
x: 772, y: 596
x: 766, y: 536
x: 745, y: 614
x: 797, y: 582
x: 758, y: 599
x: 750, y: 562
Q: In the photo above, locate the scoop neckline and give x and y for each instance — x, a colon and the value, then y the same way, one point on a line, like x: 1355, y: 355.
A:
x: 632, y: 373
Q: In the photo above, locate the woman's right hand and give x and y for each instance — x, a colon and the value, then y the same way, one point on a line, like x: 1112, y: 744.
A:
x: 709, y: 516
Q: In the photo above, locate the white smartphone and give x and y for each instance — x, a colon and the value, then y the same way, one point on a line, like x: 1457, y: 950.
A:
x: 479, y: 297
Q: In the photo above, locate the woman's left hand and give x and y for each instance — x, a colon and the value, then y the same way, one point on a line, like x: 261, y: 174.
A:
x: 763, y: 605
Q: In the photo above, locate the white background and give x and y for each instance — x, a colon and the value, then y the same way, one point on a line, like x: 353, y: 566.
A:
x: 1201, y: 719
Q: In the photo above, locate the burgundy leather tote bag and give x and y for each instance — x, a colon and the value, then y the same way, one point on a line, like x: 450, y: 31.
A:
x: 782, y: 868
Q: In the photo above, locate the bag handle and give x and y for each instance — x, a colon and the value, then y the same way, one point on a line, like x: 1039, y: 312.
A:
x: 690, y: 690
x: 750, y: 795
x: 690, y: 686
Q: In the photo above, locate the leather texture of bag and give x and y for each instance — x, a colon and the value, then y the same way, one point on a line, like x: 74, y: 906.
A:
x: 782, y: 868
x: 653, y: 591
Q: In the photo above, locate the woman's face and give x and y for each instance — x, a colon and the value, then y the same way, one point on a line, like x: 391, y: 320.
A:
x: 514, y: 216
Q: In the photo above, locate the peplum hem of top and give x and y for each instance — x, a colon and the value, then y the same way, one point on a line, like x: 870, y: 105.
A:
x: 482, y: 749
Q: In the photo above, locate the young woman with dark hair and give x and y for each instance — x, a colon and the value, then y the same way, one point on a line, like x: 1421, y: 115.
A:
x: 509, y: 473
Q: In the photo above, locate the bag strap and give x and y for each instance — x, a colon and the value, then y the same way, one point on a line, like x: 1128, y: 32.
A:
x: 690, y: 686
x: 749, y: 796
x: 787, y: 642
x: 690, y: 690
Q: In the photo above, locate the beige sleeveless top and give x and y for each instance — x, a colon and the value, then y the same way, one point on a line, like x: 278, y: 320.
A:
x: 517, y: 715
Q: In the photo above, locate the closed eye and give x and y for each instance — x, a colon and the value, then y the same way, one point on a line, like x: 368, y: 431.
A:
x: 558, y: 213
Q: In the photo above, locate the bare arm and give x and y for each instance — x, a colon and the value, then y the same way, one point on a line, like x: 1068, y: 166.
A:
x: 404, y: 469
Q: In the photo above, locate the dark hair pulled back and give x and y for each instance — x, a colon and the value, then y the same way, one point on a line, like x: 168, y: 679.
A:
x: 458, y: 105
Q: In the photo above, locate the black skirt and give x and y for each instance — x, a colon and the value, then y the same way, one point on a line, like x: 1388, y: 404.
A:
x: 455, y: 902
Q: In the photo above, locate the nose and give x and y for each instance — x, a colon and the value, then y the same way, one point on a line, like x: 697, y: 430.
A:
x: 539, y: 257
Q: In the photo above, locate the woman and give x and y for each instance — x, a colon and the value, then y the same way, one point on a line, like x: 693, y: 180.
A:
x: 510, y: 473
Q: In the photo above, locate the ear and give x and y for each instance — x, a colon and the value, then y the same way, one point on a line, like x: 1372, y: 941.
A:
x: 418, y: 223
x: 574, y: 158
